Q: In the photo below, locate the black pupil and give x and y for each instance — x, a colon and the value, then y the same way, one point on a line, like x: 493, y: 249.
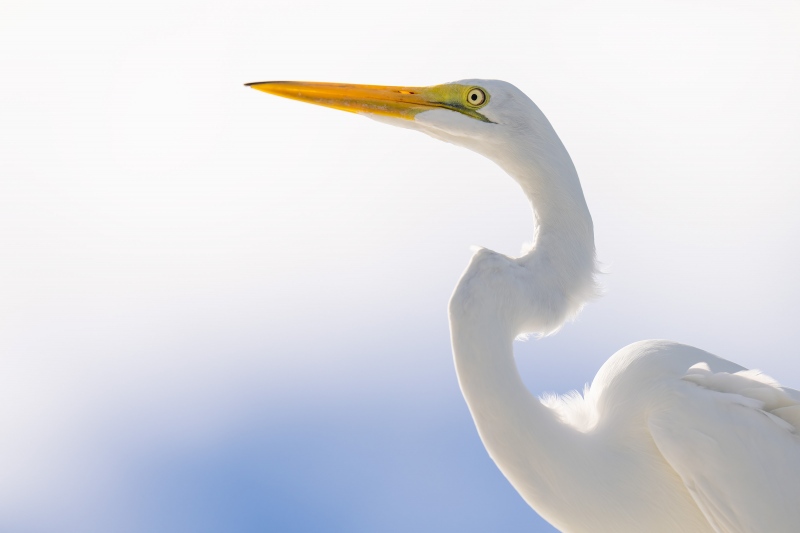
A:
x: 474, y: 96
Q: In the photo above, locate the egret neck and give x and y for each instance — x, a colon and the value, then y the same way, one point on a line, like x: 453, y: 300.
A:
x: 498, y: 298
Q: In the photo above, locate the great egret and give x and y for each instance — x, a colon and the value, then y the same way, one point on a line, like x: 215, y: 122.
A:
x: 668, y: 438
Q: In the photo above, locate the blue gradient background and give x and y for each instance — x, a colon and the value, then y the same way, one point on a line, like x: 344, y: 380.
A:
x: 222, y: 311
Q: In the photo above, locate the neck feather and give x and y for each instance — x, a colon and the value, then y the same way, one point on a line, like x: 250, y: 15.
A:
x: 560, y: 267
x: 499, y: 298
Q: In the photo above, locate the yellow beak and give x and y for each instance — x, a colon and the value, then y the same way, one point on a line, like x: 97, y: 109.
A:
x: 399, y: 102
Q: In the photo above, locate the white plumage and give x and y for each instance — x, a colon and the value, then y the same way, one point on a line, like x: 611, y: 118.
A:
x: 668, y: 438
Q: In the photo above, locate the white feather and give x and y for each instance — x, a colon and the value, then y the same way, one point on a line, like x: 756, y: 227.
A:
x: 668, y: 438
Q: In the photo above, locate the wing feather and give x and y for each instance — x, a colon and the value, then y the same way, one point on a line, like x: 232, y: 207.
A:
x: 733, y: 440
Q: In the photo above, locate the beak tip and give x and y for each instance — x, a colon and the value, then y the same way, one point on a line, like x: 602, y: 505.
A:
x: 255, y: 83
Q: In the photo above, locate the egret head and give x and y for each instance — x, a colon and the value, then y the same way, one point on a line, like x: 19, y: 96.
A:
x: 498, y: 121
x: 482, y: 115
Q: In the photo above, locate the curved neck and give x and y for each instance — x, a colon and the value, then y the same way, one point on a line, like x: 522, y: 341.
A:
x: 544, y: 171
x: 536, y: 452
x: 499, y: 297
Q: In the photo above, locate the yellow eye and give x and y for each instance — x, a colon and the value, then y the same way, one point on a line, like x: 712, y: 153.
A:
x: 476, y: 97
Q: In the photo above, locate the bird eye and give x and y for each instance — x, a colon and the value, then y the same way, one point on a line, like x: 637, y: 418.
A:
x: 476, y: 97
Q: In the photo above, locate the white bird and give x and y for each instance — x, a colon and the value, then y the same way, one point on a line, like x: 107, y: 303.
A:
x: 668, y: 438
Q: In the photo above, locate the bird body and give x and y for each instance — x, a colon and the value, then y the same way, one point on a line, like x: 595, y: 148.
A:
x: 624, y: 456
x: 668, y: 437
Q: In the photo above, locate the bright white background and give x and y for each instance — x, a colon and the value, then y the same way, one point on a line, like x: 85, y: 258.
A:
x: 223, y: 311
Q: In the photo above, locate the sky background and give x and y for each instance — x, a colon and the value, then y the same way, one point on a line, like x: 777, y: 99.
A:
x: 224, y: 311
